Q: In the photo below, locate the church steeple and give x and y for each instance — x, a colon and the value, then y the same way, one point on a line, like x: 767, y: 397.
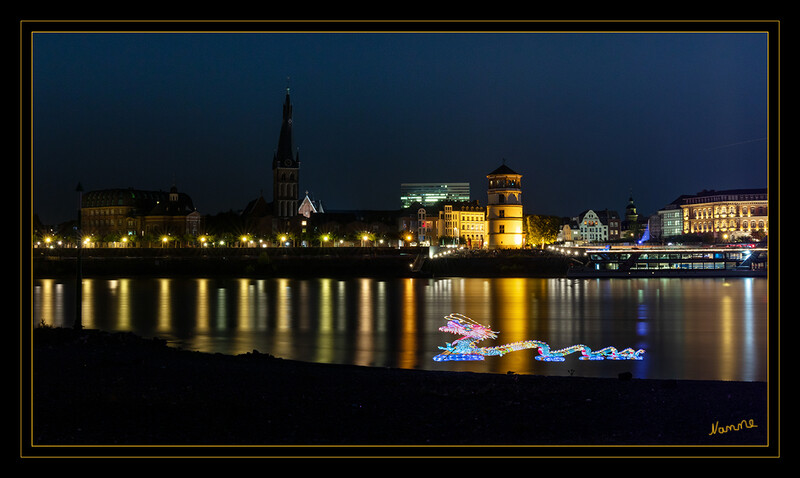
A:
x: 285, y: 168
x: 285, y: 155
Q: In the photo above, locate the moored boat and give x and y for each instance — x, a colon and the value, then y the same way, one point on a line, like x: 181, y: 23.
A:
x: 634, y: 262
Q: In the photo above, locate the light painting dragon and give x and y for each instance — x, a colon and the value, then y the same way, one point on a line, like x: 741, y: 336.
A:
x: 466, y: 348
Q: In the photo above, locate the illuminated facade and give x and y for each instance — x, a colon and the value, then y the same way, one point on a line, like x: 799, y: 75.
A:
x: 428, y: 194
x: 669, y: 223
x: 464, y: 221
x: 504, y: 209
x: 309, y: 207
x: 599, y: 226
x: 569, y: 232
x: 731, y: 213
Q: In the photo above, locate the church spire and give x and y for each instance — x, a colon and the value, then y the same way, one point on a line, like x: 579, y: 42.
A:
x: 284, y: 155
x: 285, y: 167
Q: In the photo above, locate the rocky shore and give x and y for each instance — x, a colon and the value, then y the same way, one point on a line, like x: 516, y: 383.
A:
x: 106, y: 392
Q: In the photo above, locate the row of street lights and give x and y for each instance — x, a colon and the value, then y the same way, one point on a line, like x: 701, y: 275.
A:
x: 284, y: 240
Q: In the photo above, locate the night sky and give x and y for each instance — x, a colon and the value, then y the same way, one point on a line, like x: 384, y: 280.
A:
x: 587, y: 118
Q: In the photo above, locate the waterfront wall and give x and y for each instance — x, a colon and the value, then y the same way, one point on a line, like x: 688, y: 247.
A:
x: 295, y: 262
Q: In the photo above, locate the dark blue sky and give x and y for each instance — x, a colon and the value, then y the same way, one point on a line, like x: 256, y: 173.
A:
x: 587, y: 118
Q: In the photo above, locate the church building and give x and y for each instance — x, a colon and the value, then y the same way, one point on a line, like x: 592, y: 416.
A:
x: 286, y: 169
x: 282, y: 213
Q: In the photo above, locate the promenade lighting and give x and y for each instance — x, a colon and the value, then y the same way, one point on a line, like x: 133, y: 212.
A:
x: 78, y: 323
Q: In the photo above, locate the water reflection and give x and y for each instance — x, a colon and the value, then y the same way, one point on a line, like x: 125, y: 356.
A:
x: 711, y: 329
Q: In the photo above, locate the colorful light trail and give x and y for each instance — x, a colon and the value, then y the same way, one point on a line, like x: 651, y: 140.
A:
x: 472, y: 332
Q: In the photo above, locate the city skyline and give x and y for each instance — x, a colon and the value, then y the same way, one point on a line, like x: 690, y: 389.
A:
x: 588, y: 119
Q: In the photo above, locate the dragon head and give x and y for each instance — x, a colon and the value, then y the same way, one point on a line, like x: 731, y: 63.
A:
x: 462, y: 325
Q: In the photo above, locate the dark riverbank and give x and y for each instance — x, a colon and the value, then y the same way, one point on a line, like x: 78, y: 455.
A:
x: 93, y: 388
x: 298, y: 262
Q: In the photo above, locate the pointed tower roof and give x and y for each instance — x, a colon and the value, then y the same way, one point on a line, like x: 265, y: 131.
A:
x: 284, y: 155
x: 307, y: 207
x: 503, y: 169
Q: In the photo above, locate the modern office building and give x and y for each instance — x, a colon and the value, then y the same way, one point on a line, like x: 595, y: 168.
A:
x: 504, y: 209
x: 427, y: 194
x: 669, y: 223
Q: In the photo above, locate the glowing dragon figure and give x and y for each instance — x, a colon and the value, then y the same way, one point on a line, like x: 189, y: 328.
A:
x: 465, y: 347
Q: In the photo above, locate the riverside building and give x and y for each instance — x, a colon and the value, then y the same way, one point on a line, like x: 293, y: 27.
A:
x: 727, y: 214
x: 599, y: 226
x: 129, y: 212
x: 462, y: 223
x: 504, y: 209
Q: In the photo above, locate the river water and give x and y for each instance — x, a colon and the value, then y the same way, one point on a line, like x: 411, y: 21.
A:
x: 695, y: 329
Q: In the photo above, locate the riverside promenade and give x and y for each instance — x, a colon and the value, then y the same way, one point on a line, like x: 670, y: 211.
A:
x: 299, y: 262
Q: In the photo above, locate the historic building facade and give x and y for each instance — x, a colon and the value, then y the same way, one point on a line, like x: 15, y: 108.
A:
x: 462, y: 223
x: 135, y: 212
x: 504, y: 209
x: 731, y: 213
x: 599, y: 226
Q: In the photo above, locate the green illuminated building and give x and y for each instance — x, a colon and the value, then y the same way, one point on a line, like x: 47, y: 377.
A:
x: 430, y: 193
